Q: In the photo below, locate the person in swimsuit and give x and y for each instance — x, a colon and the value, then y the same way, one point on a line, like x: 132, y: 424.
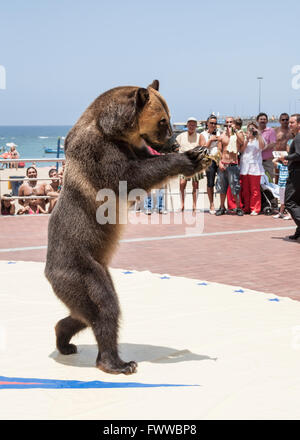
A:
x: 187, y: 140
x: 7, y: 205
x: 53, y: 189
x: 31, y: 188
x: 283, y: 136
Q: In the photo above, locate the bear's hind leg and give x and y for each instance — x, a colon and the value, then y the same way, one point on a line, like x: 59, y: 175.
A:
x: 65, y: 329
x: 105, y: 325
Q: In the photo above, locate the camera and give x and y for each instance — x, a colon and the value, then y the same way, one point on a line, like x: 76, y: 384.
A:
x: 253, y: 131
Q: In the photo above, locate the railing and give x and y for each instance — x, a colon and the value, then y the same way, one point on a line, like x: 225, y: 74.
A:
x: 26, y: 179
x: 168, y: 192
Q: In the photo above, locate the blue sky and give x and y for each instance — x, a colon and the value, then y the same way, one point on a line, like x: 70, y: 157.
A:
x: 61, y: 54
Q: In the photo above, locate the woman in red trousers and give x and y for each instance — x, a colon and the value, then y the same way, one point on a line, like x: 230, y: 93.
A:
x: 251, y: 169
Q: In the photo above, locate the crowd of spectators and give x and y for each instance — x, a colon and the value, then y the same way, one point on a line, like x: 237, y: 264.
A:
x: 35, y: 196
x: 246, y: 154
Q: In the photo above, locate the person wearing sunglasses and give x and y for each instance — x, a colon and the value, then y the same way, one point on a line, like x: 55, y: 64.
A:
x: 229, y: 171
x: 211, y: 139
x: 283, y: 135
x: 269, y: 136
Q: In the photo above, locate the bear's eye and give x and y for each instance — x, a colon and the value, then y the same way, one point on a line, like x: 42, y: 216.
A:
x: 163, y: 121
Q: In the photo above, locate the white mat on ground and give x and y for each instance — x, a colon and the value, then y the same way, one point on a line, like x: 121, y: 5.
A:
x: 240, y: 347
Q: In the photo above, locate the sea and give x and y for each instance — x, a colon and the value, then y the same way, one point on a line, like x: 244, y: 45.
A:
x: 31, y: 141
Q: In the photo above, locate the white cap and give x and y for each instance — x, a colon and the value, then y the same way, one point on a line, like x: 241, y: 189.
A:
x: 192, y: 119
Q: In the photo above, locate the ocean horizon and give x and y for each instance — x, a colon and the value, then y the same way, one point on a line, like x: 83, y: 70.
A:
x: 31, y: 140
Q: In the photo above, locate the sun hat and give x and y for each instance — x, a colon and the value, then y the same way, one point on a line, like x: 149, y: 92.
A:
x: 192, y: 118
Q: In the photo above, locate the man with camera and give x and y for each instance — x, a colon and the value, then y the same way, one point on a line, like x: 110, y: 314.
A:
x: 292, y: 189
x: 229, y: 171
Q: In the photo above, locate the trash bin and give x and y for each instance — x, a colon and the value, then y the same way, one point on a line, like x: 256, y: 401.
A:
x: 15, y: 184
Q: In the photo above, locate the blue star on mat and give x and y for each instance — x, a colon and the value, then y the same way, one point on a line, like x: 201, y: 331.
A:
x: 24, y: 383
x: 274, y: 299
x: 202, y: 284
x: 165, y: 277
x: 239, y: 291
x: 12, y: 262
x: 127, y: 272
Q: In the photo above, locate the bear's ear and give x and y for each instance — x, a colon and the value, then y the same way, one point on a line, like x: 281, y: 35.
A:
x: 142, y: 96
x: 120, y: 112
x: 154, y: 85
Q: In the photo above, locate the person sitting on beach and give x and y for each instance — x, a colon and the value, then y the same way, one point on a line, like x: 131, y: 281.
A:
x: 187, y: 140
x: 210, y: 138
x: 7, y: 205
x: 31, y: 188
x: 13, y: 154
x: 53, y: 189
x: 229, y: 172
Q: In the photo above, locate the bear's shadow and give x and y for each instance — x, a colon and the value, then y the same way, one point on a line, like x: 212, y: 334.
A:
x: 86, y: 355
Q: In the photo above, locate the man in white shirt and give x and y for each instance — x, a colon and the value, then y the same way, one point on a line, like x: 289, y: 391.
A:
x: 187, y: 140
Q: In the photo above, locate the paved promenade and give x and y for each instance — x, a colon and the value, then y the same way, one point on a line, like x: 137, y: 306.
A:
x: 243, y: 251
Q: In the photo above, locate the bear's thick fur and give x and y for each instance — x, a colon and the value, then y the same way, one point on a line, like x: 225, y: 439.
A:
x: 105, y: 146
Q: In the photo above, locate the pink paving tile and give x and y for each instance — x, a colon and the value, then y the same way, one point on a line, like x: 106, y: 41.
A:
x: 256, y: 260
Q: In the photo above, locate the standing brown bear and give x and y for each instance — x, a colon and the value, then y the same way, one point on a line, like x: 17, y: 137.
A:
x: 105, y: 146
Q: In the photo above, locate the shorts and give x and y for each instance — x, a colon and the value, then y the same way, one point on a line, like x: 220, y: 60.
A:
x: 281, y: 194
x: 211, y: 174
x: 229, y: 177
x: 195, y: 178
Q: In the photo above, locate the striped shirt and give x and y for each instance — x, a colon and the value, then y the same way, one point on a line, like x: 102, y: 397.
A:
x: 283, y: 175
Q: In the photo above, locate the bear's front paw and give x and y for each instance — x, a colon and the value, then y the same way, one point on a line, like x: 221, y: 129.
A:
x: 199, y: 158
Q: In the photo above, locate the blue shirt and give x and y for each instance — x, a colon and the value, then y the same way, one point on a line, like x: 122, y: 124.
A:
x: 283, y: 175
